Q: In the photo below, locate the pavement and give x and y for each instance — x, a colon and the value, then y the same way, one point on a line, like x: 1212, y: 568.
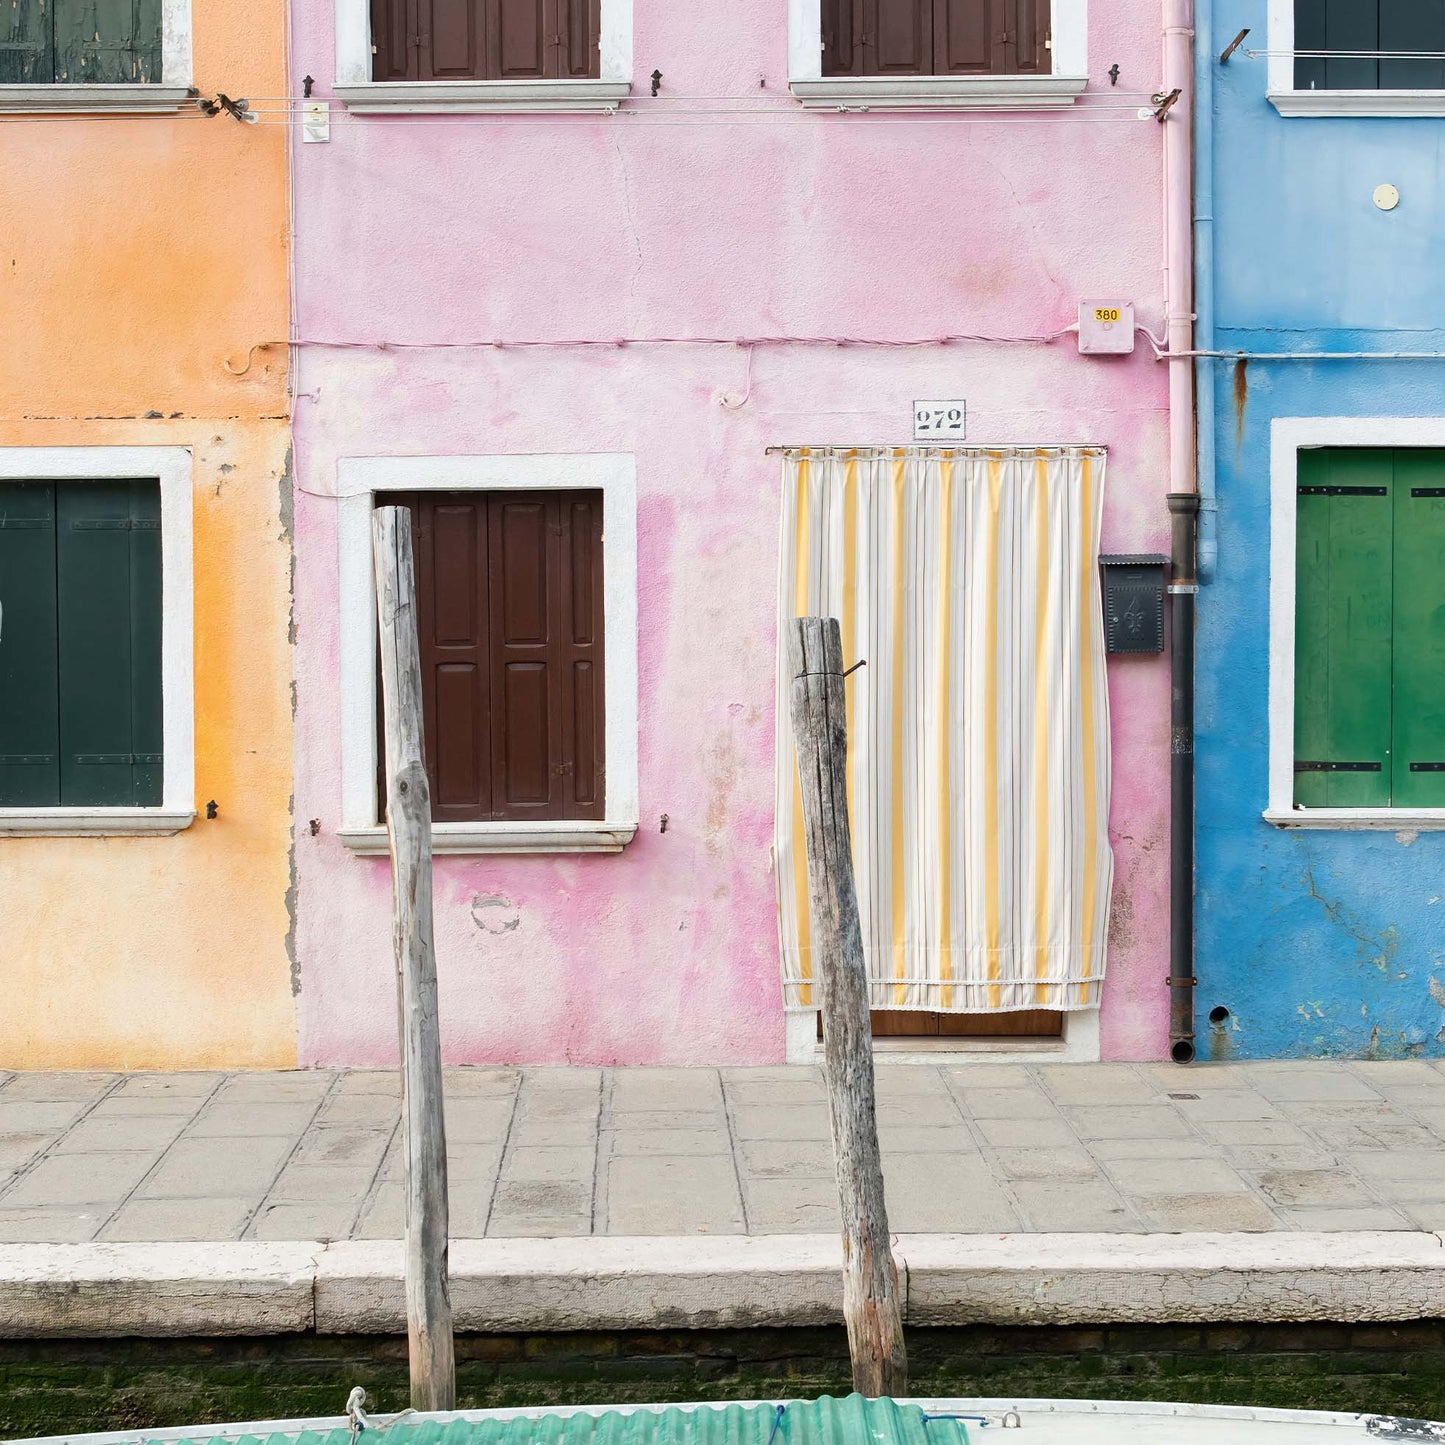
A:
x: 970, y: 1148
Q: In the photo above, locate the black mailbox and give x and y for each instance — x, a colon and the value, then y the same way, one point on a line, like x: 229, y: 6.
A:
x: 1134, y: 602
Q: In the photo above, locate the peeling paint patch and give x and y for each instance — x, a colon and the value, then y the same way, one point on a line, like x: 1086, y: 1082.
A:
x: 1406, y: 836
x: 495, y: 913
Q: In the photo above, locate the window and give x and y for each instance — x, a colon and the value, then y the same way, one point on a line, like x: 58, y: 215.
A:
x: 77, y: 55
x: 485, y: 39
x: 483, y: 55
x: 1369, y: 69
x: 510, y: 600
x: 937, y: 54
x: 107, y: 42
x: 1368, y: 25
x: 527, y: 583
x: 96, y: 732
x: 1369, y: 690
x: 935, y: 37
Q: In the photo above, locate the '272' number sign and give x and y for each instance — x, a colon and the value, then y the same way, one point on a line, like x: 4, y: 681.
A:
x: 939, y: 421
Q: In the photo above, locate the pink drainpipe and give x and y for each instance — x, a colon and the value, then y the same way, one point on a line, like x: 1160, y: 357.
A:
x: 1184, y: 516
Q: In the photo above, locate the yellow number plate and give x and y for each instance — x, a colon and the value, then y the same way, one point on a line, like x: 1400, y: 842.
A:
x: 1106, y: 313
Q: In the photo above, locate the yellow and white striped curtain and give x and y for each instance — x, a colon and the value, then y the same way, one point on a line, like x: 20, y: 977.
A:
x: 978, y: 733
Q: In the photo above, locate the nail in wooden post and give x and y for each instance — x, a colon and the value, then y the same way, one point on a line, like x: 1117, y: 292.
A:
x: 870, y: 1279
x: 408, y: 826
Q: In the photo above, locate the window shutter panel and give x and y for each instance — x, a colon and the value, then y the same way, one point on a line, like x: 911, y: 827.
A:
x: 147, y: 716
x: 1343, y: 629
x: 29, y: 673
x: 27, y: 43
x: 518, y: 39
x: 579, y: 24
x: 524, y: 538
x: 450, y: 39
x: 393, y: 56
x: 1029, y: 36
x: 93, y: 574
x: 966, y: 34
x: 898, y: 37
x: 584, y: 716
x: 842, y: 21
x: 107, y: 42
x: 1418, y: 747
x: 1412, y: 25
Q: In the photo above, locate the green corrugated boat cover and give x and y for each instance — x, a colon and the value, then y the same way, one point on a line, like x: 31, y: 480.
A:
x: 853, y: 1420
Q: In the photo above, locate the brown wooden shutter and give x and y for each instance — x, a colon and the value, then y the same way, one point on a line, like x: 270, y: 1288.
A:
x: 898, y: 37
x: 1028, y: 51
x: 583, y: 712
x: 841, y: 20
x: 967, y: 36
x: 509, y: 617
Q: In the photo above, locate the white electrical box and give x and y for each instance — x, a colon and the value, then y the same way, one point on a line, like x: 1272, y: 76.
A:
x: 1106, y: 328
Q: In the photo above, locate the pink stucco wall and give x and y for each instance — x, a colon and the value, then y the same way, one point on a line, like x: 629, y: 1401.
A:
x: 676, y: 220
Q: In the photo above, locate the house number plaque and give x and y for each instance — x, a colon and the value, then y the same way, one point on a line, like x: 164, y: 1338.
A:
x: 935, y: 421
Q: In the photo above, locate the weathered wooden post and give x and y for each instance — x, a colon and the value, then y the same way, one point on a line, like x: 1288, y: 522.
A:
x: 408, y: 826
x: 870, y: 1278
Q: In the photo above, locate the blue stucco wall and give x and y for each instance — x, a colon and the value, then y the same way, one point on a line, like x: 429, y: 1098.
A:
x: 1317, y: 942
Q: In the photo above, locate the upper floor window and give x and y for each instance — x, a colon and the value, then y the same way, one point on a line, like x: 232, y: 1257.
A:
x: 1357, y: 57
x: 79, y: 55
x: 418, y: 56
x: 80, y: 42
x: 485, y: 39
x: 1353, y: 29
x: 936, y: 37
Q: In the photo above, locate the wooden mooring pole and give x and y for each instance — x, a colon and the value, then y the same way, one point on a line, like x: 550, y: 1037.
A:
x: 408, y: 826
x: 870, y: 1279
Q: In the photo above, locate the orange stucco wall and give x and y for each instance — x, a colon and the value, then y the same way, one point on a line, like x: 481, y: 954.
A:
x: 136, y: 256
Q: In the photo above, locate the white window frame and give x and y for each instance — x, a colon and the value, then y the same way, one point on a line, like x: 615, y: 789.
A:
x: 1288, y: 436
x: 355, y: 88
x: 171, y: 466
x: 816, y: 91
x: 358, y: 480
x: 166, y: 95
x: 1289, y: 101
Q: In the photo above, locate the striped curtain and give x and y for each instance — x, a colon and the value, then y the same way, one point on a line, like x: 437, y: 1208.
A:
x: 978, y: 732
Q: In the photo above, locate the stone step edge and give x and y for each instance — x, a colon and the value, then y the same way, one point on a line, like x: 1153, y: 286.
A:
x: 714, y: 1281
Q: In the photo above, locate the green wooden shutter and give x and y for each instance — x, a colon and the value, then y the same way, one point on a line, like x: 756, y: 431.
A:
x: 107, y: 41
x: 147, y: 720
x: 109, y: 609
x: 27, y: 42
x: 29, y: 676
x: 1344, y: 629
x: 1419, y: 691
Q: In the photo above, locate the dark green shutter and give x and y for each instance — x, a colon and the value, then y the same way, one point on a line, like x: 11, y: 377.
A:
x: 1419, y: 692
x: 108, y: 576
x: 1343, y: 629
x: 27, y: 42
x: 29, y: 675
x: 107, y: 42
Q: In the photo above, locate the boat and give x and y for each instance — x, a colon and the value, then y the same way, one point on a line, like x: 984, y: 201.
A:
x: 849, y: 1420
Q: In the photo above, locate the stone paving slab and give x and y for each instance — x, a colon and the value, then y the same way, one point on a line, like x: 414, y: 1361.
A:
x: 969, y: 1147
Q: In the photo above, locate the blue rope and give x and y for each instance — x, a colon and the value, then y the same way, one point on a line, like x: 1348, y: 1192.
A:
x: 777, y: 1422
x: 980, y: 1419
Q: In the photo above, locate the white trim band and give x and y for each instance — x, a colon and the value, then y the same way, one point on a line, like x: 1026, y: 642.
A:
x: 84, y: 99
x: 482, y: 96
x: 939, y: 92
x: 92, y: 822
x: 563, y: 837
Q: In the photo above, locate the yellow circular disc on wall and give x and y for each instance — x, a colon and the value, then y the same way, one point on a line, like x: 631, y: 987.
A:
x: 1387, y: 197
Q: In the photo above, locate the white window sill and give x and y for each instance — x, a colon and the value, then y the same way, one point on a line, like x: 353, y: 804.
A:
x: 1394, y: 820
x: 81, y: 99
x: 939, y: 92
x: 551, y: 837
x: 92, y: 822
x: 1358, y: 102
x: 425, y: 97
